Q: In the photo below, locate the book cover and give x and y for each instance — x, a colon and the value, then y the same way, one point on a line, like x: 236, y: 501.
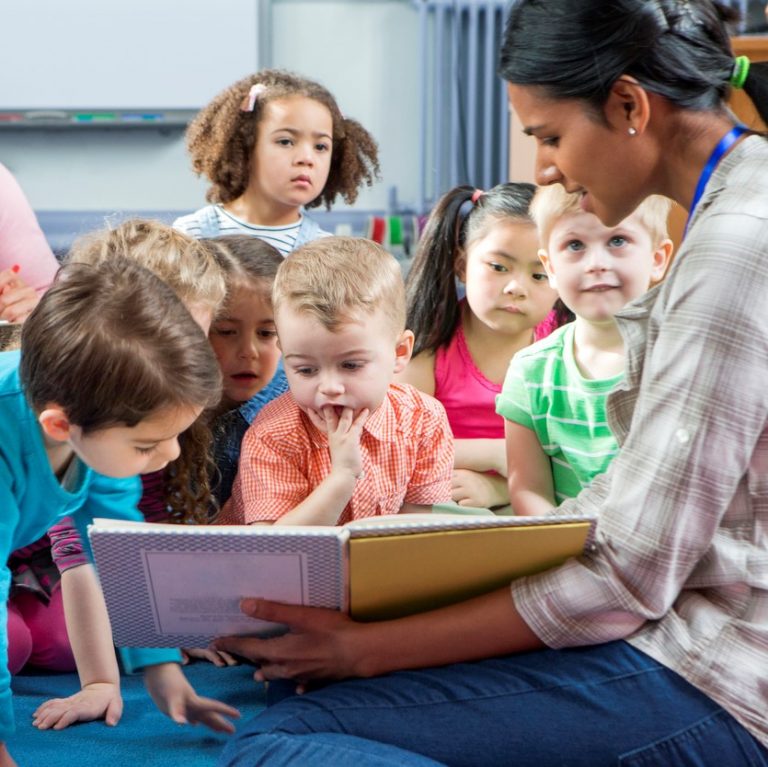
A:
x: 171, y: 585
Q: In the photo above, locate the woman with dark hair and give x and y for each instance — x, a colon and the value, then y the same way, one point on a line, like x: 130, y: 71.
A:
x: 652, y: 647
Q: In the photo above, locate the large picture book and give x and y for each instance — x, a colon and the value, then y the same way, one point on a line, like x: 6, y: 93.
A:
x: 170, y: 585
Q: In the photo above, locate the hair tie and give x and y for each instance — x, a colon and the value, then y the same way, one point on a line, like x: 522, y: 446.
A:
x: 476, y: 195
x: 740, y: 71
x: 249, y: 102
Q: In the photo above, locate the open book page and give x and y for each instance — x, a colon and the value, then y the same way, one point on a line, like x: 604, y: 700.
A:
x: 172, y: 585
x: 403, y: 524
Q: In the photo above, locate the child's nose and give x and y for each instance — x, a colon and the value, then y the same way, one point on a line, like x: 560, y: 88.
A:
x: 305, y: 154
x: 169, y: 450
x: 331, y: 385
x: 597, y: 260
x: 248, y: 349
x: 515, y: 286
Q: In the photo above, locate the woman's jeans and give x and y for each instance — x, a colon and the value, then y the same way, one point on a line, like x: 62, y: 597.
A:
x: 585, y: 707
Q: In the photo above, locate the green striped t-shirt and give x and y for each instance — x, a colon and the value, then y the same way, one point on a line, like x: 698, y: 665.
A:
x: 545, y: 391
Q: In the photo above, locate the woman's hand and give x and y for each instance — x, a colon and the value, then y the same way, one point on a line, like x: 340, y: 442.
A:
x: 100, y: 700
x: 320, y: 643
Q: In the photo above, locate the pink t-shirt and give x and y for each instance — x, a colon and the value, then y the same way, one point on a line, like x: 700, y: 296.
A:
x: 22, y: 241
x: 468, y: 397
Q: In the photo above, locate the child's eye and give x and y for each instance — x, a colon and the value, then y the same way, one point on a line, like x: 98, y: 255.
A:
x: 284, y: 142
x: 352, y: 365
x: 552, y: 141
x: 574, y: 245
x: 223, y: 331
x: 617, y: 242
x: 266, y: 333
x: 497, y: 267
x: 305, y: 371
x: 146, y: 450
x: 322, y: 147
x: 539, y: 276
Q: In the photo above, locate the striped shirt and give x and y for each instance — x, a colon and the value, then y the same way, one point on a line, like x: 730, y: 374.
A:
x: 407, y: 451
x: 545, y: 392
x: 281, y: 237
x: 680, y: 565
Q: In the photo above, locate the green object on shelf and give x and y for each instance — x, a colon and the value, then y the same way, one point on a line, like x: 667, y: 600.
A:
x: 395, y: 230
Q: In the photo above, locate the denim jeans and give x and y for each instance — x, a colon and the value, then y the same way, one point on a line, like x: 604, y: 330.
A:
x: 585, y: 707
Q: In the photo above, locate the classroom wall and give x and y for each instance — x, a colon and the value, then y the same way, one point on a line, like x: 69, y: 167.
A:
x: 364, y: 51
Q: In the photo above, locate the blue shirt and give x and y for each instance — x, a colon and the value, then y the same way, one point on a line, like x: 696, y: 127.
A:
x: 32, y: 498
x: 229, y: 428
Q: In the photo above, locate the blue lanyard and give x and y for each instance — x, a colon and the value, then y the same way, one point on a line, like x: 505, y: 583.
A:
x: 725, y: 143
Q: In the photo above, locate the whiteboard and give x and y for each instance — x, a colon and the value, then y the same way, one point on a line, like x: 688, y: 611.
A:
x: 104, y: 54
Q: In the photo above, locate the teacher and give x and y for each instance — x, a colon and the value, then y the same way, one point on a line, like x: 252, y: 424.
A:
x: 653, y: 648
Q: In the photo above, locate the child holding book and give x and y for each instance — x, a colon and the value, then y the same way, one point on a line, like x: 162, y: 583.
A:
x: 554, y: 395
x: 272, y: 145
x: 112, y: 370
x: 345, y: 442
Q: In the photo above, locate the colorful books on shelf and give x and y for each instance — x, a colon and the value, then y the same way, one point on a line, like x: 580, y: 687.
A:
x: 181, y: 585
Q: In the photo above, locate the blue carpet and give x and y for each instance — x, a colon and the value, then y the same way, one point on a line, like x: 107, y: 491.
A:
x: 143, y: 737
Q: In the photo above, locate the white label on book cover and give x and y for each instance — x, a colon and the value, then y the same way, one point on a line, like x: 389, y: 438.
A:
x: 200, y: 592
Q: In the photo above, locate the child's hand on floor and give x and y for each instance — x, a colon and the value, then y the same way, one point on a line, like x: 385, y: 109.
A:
x: 219, y: 659
x: 472, y: 488
x: 175, y: 697
x: 101, y: 700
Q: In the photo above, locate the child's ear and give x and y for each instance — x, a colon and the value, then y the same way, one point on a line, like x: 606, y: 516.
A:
x: 547, y: 264
x: 661, y: 257
x: 403, y: 350
x: 55, y: 423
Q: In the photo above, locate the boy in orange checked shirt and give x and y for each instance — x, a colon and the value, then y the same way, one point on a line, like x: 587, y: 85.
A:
x: 345, y: 442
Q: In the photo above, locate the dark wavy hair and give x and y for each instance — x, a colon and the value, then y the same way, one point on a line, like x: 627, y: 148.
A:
x: 577, y: 49
x: 222, y: 137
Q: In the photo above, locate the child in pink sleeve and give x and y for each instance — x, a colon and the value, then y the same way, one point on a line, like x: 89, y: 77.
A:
x: 27, y: 265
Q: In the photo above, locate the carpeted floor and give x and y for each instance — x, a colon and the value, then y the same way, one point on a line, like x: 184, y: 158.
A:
x: 143, y: 737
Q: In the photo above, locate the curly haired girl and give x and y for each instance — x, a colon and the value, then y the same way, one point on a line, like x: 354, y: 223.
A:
x: 272, y: 144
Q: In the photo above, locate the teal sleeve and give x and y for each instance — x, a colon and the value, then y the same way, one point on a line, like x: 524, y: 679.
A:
x: 118, y: 499
x: 514, y: 401
x: 6, y: 702
x: 8, y: 519
x: 110, y: 498
x: 135, y: 659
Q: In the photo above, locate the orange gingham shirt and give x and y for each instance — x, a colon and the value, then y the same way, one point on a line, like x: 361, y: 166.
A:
x: 407, y: 450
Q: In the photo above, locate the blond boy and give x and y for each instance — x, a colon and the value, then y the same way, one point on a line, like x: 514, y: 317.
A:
x: 345, y: 442
x: 554, y: 393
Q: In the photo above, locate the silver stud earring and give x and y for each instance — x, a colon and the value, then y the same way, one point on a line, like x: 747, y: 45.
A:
x: 632, y: 131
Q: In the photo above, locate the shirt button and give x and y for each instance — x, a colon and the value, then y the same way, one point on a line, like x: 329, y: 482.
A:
x: 682, y: 436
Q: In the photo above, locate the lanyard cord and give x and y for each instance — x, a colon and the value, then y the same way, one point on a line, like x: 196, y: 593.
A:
x: 725, y: 143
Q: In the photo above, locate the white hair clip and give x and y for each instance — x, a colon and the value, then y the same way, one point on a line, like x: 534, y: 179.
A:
x: 249, y: 102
